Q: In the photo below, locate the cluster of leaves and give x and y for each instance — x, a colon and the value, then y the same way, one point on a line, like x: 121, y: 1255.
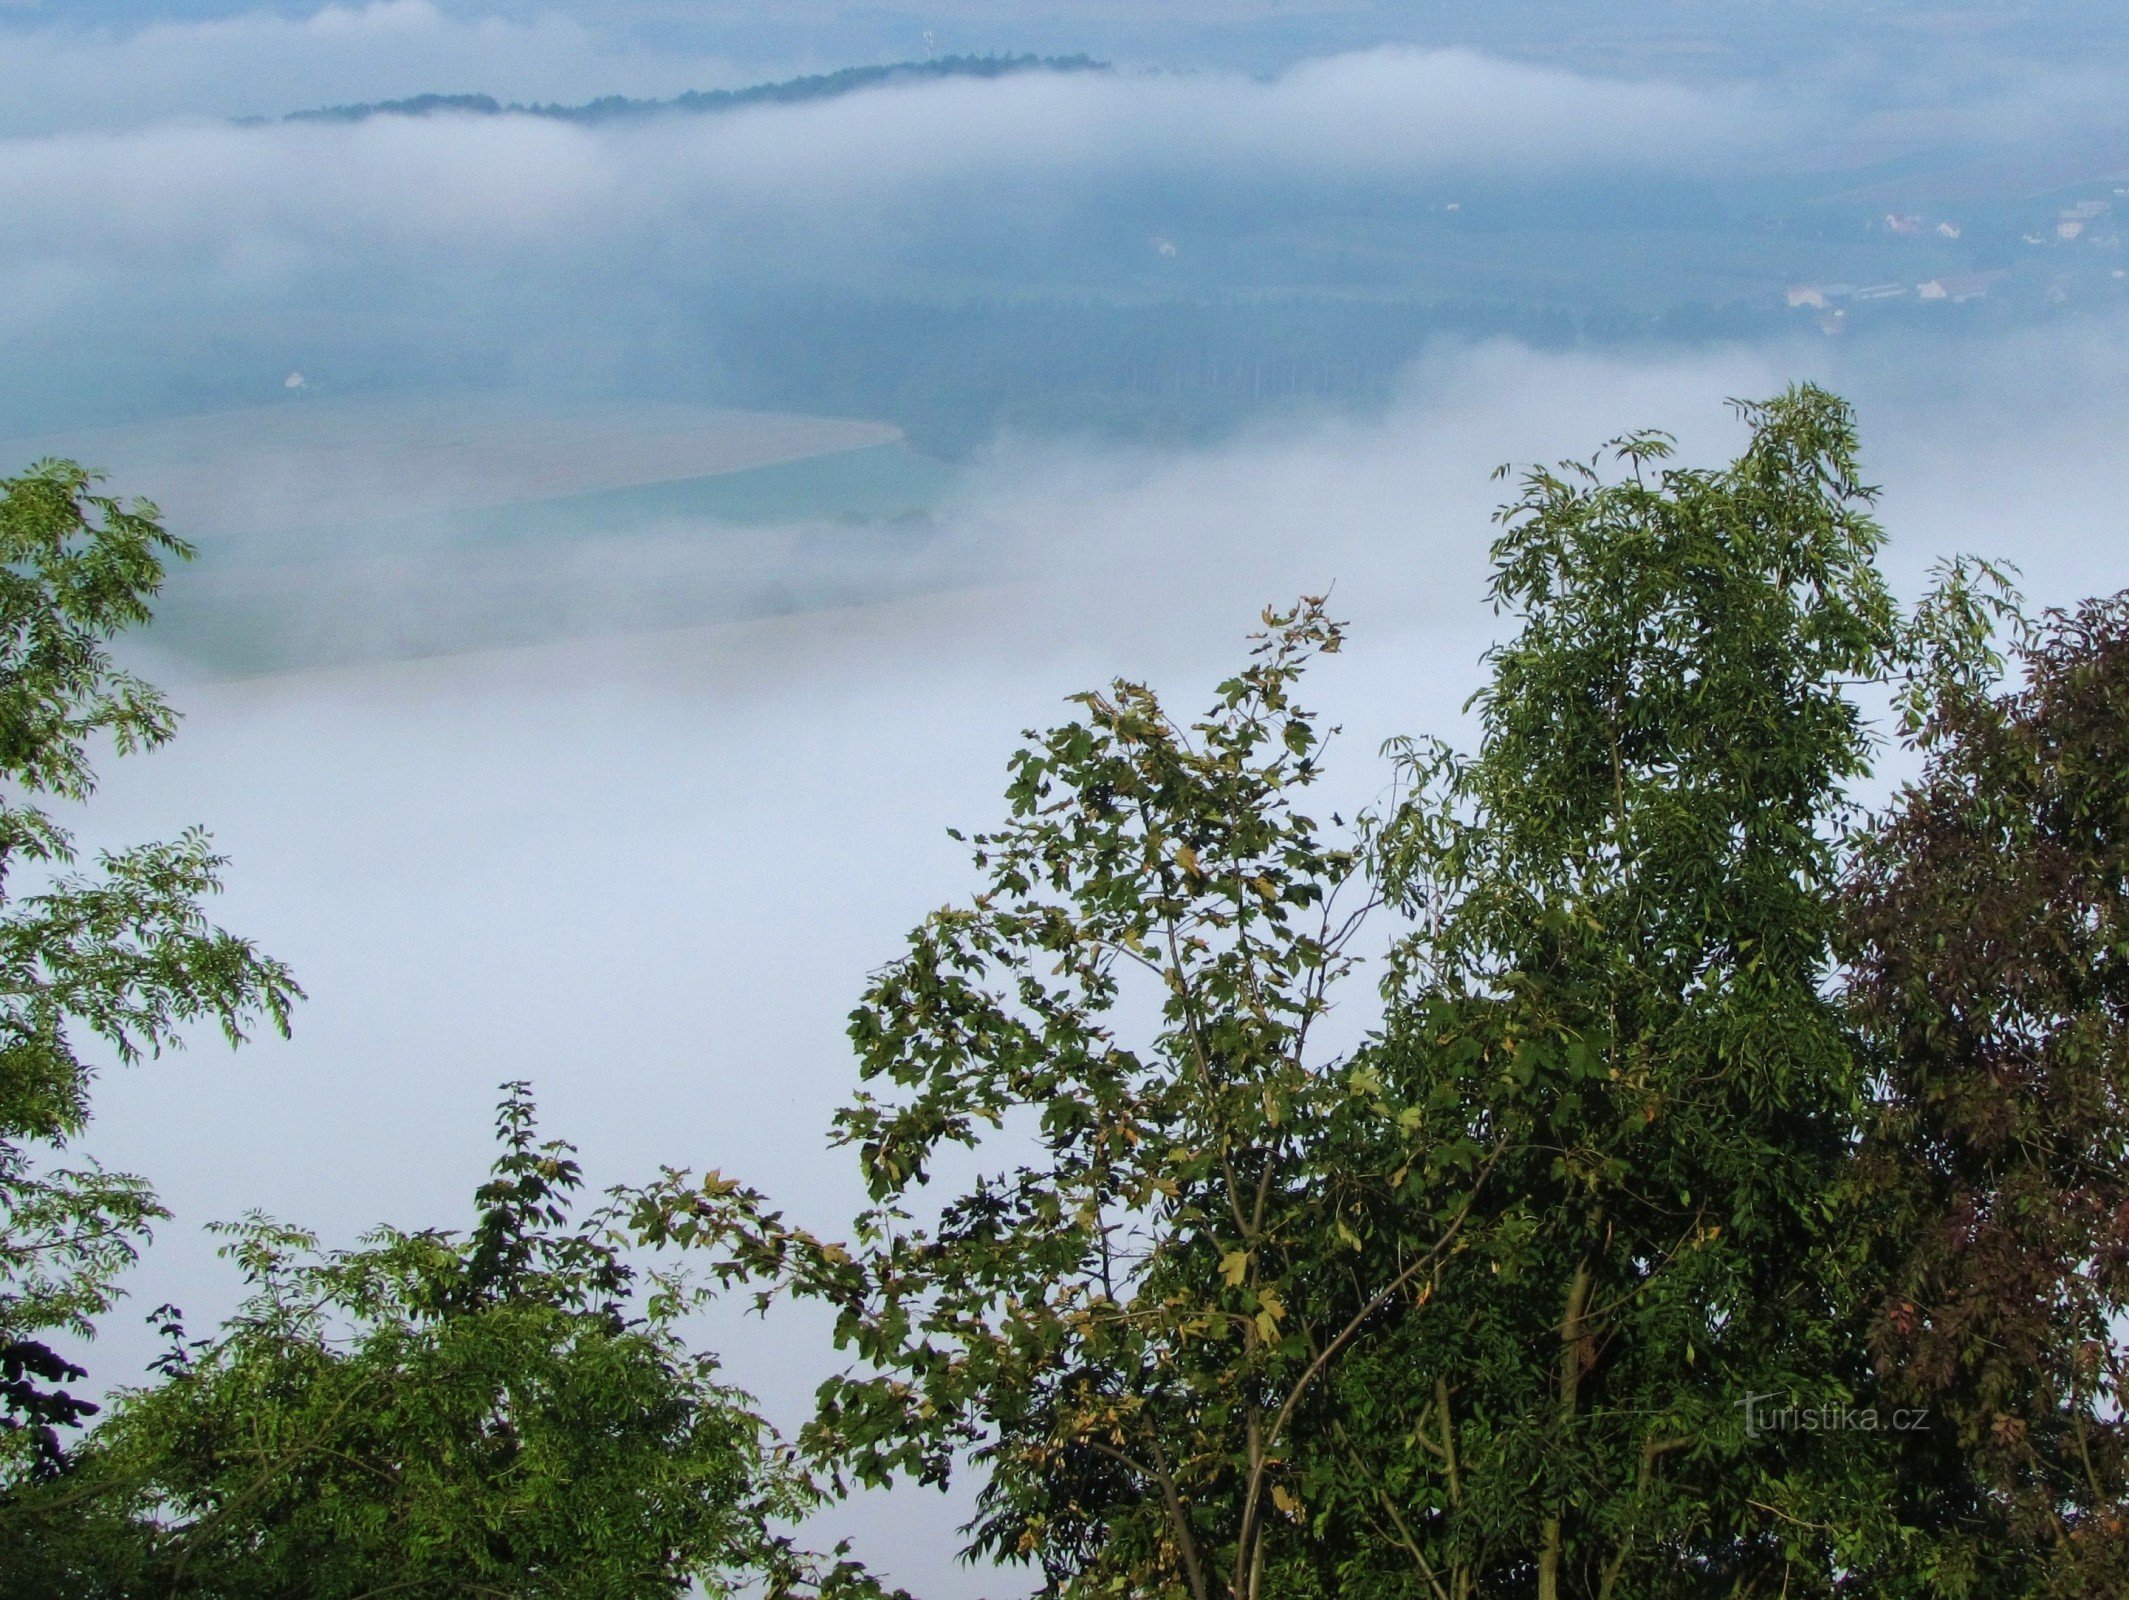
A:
x: 123, y: 956
x: 510, y: 1412
x: 1624, y: 913
x: 1989, y: 919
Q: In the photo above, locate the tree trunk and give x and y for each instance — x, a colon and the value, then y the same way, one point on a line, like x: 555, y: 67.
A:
x: 1571, y: 1360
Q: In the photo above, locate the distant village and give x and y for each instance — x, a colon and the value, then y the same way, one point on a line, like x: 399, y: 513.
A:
x: 2083, y: 225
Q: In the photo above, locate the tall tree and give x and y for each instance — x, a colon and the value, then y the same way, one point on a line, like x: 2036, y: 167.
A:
x: 1989, y: 928
x: 1187, y: 1215
x: 122, y: 956
x: 1627, y: 922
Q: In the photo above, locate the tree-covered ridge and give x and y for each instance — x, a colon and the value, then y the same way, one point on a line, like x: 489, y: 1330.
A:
x: 615, y: 107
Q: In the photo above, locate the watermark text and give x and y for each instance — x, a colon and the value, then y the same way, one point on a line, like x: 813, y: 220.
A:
x: 1781, y: 1413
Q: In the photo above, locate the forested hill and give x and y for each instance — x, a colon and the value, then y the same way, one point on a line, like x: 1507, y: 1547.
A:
x: 613, y: 107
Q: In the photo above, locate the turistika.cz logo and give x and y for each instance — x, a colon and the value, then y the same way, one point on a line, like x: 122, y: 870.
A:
x: 1779, y: 1413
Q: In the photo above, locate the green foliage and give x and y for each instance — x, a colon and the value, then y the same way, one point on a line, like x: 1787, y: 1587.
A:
x: 1989, y: 938
x: 511, y: 1412
x: 122, y: 955
x: 1189, y: 1216
x: 1627, y: 921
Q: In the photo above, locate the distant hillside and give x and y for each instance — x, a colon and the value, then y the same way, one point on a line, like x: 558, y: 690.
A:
x: 615, y: 107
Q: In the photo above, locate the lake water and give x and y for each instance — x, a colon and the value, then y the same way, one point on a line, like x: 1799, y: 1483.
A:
x: 332, y: 533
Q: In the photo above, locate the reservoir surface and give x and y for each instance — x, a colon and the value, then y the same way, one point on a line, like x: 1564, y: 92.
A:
x: 335, y: 531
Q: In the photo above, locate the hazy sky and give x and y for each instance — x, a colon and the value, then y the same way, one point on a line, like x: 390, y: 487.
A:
x: 651, y: 874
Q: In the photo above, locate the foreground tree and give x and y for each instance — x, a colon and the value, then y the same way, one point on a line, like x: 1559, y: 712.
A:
x: 1628, y: 917
x: 1989, y: 928
x: 120, y: 959
x: 1189, y: 1216
x: 508, y: 1412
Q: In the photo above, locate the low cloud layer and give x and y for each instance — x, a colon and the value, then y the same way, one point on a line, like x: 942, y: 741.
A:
x: 1387, y: 112
x: 189, y: 264
x: 168, y: 261
x: 470, y: 183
